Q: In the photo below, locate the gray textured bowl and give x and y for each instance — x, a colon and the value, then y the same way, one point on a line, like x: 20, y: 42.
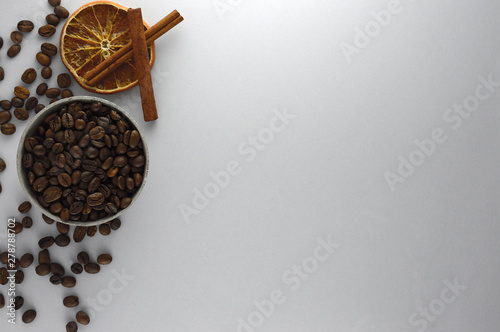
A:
x: 31, y: 129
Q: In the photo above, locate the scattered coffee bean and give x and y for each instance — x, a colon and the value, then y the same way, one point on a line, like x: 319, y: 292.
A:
x: 43, y: 59
x: 63, y: 80
x: 8, y: 129
x: 27, y: 222
x: 52, y: 19
x: 71, y: 327
x: 2, y: 73
x: 62, y: 228
x: 4, y: 257
x: 17, y: 102
x: 71, y: 301
x: 29, y: 76
x: 104, y: 229
x: 54, y: 3
x: 91, y: 231
x: 38, y: 108
x: 24, y: 207
x: 16, y: 37
x: 41, y: 89
x: 79, y: 234
x: 55, y: 279
x: 62, y: 240
x: 2, y: 301
x: 46, y: 242
x: 21, y: 114
x: 19, y: 277
x: 29, y: 316
x: 3, y: 166
x: 49, y: 49
x: 56, y: 268
x: 77, y: 268
x: 92, y: 268
x: 66, y: 93
x: 5, y: 104
x: 68, y: 282
x: 44, y: 257
x: 52, y: 92
x: 18, y: 227
x: 47, y: 219
x: 25, y: 26
x: 47, y: 30
x: 26, y: 260
x: 54, y: 100
x: 13, y: 50
x: 42, y: 270
x: 18, y: 302
x: 61, y: 12
x: 46, y: 72
x: 83, y: 258
x: 1, y: 42
x: 5, y: 117
x: 104, y: 259
x: 21, y: 92
x: 31, y: 103
x: 82, y: 318
x: 4, y: 274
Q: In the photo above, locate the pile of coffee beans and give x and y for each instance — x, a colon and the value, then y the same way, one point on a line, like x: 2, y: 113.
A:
x: 84, y: 163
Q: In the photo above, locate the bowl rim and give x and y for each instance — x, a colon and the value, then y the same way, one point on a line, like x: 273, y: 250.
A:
x: 22, y: 175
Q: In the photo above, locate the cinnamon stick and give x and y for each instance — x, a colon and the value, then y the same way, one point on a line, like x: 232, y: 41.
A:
x: 141, y: 60
x: 125, y: 53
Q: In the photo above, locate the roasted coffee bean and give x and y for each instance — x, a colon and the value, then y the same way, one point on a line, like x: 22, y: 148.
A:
x: 92, y: 268
x: 42, y: 269
x: 68, y: 282
x: 104, y: 229
x: 4, y: 257
x: 16, y: 37
x: 67, y: 120
x: 95, y: 199
x: 29, y: 316
x: 66, y: 93
x: 64, y: 180
x: 21, y: 92
x: 18, y: 302
x: 28, y: 161
x: 41, y: 89
x: 52, y: 92
x: 115, y: 224
x: 56, y: 268
x: 55, y: 279
x: 47, y: 30
x: 6, y: 104
x: 62, y: 240
x: 13, y: 50
x: 52, y: 194
x: 54, y: 3
x: 62, y: 228
x: 2, y: 301
x: 4, y: 274
x: 17, y: 102
x: 25, y: 26
x: 61, y: 12
x: 8, y: 129
x: 21, y: 114
x: 29, y: 76
x: 26, y: 260
x: 65, y: 215
x: 31, y: 103
x: 19, y: 277
x: 104, y: 259
x: 25, y: 207
x: 2, y: 73
x: 82, y: 318
x: 56, y: 208
x: 27, y: 222
x: 83, y: 258
x: 1, y: 42
x: 46, y: 242
x: 79, y: 234
x: 71, y: 301
x: 46, y: 72
x: 38, y: 108
x: 44, y: 257
x: 71, y: 327
x: 89, y: 165
x: 18, y: 227
x: 52, y: 19
x: 76, y: 268
x: 54, y: 100
x: 91, y: 231
x: 5, y: 117
x: 43, y: 59
x: 48, y: 49
x: 63, y: 80
x: 97, y: 133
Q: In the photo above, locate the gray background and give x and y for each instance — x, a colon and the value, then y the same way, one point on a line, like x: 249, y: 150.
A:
x: 218, y: 78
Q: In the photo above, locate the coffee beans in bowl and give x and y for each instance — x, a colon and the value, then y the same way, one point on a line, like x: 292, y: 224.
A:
x: 89, y: 159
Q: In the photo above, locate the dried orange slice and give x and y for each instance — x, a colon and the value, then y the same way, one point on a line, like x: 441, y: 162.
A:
x: 92, y: 34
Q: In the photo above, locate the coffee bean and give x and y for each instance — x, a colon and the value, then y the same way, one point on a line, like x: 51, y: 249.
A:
x: 13, y: 50
x: 104, y: 229
x: 42, y: 269
x: 21, y: 114
x: 65, y: 215
x: 55, y: 279
x: 48, y: 49
x: 104, y: 259
x: 54, y: 100
x: 27, y: 222
x: 8, y: 129
x: 29, y: 316
x: 1, y: 42
x: 18, y: 302
x: 62, y: 228
x: 4, y: 274
x: 54, y: 3
x: 26, y: 260
x: 25, y: 207
x: 47, y: 30
x: 64, y: 180
x: 2, y: 73
x: 71, y: 327
x: 17, y: 102
x: 92, y: 268
x: 46, y: 72
x: 46, y: 242
x: 68, y: 282
x: 62, y: 240
x: 19, y: 277
x: 5, y: 117
x: 41, y: 89
x: 16, y: 37
x: 21, y: 92
x: 52, y: 194
x: 95, y: 199
x: 82, y: 318
x: 2, y: 301
x: 63, y: 80
x: 56, y: 268
x: 83, y: 258
x: 115, y: 224
x: 44, y: 257
x: 43, y: 59
x: 52, y: 19
x: 71, y: 301
x: 5, y: 104
x: 61, y: 12
x: 52, y: 93
x: 25, y: 26
x: 79, y: 234
x: 29, y: 76
x: 77, y: 268
x: 66, y: 93
x: 38, y: 108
